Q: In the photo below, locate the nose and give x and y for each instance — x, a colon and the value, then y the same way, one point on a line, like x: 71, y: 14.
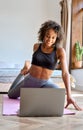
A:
x: 49, y: 39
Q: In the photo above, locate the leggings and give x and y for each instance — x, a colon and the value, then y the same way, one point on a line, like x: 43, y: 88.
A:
x: 28, y: 81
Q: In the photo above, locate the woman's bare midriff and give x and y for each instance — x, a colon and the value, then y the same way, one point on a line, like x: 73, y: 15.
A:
x: 40, y: 72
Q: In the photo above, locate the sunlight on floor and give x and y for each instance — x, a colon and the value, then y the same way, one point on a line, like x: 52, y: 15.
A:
x: 77, y: 95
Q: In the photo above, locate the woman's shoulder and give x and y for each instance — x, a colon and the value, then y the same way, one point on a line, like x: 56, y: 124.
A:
x: 61, y: 52
x: 35, y: 47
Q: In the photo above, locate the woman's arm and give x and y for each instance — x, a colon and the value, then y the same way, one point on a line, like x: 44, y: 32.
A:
x: 25, y: 69
x: 66, y: 78
x: 65, y: 73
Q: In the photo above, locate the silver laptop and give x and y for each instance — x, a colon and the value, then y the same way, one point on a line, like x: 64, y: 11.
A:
x: 42, y: 102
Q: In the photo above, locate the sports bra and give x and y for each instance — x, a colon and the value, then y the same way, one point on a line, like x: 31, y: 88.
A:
x: 45, y: 60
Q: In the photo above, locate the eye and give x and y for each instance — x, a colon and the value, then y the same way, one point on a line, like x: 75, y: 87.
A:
x: 47, y: 35
x: 53, y: 37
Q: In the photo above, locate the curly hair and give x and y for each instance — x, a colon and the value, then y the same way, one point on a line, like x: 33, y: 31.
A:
x: 51, y: 25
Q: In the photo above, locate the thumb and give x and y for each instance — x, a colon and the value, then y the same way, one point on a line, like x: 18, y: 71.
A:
x: 67, y: 105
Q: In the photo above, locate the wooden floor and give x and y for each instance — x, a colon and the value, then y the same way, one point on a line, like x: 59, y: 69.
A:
x: 66, y: 122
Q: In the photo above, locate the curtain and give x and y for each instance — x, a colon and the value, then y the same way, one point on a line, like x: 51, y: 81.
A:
x: 64, y: 18
x: 66, y: 24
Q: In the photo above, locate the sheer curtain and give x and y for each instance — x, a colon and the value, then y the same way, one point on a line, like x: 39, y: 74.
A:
x: 66, y: 24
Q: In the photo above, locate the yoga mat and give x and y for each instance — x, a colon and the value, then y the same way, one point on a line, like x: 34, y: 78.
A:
x: 11, y: 107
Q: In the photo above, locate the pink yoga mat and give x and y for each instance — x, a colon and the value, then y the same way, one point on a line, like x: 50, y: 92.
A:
x: 11, y: 107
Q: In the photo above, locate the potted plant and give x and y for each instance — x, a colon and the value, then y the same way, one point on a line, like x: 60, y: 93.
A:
x: 78, y: 55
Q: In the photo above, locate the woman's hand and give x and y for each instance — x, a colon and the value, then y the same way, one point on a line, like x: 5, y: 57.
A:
x: 73, y: 102
x: 24, y: 71
x: 26, y: 67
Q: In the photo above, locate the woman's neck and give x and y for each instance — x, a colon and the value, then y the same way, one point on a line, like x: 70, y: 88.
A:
x: 47, y: 47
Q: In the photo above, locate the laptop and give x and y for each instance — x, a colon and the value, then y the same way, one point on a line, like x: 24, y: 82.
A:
x: 41, y: 102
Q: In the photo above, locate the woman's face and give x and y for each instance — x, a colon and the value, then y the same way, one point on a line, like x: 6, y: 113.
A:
x: 50, y: 37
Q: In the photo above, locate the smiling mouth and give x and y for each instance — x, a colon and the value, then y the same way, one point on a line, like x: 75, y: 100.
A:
x: 49, y: 42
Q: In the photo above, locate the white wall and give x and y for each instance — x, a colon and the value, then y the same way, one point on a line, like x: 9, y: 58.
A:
x: 20, y: 21
x: 54, y: 10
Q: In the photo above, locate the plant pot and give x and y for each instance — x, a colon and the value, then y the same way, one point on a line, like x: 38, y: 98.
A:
x: 78, y: 64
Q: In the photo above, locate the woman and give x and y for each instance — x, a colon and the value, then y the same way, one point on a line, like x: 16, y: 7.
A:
x: 45, y: 57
